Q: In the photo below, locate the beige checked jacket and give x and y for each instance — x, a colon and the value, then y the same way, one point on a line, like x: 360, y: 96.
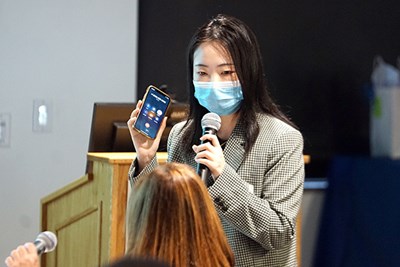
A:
x: 257, y: 196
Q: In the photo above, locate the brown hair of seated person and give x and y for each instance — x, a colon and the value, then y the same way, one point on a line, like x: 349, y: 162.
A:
x: 137, y: 262
x: 171, y: 218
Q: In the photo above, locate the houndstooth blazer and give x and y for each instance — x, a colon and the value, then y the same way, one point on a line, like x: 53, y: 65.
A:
x: 257, y: 196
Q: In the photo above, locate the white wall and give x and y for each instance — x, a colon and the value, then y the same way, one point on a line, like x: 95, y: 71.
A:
x: 71, y: 53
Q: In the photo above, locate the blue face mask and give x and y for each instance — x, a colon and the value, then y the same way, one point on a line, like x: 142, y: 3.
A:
x: 223, y: 98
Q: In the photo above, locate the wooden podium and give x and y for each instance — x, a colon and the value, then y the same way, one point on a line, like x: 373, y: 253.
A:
x: 88, y: 215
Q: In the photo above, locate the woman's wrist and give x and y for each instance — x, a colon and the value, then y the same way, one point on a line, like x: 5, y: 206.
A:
x: 143, y: 161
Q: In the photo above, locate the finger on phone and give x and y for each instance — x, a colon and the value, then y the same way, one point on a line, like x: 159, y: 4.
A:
x: 135, y: 112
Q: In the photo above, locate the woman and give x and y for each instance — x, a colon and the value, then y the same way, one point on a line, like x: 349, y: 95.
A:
x: 171, y: 218
x: 255, y: 160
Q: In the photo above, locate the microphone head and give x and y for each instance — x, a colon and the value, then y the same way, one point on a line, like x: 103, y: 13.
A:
x: 47, y: 241
x: 211, y: 120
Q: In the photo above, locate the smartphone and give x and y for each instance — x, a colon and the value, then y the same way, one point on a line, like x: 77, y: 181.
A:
x: 152, y: 112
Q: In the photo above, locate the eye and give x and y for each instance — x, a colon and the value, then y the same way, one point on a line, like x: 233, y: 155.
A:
x: 201, y: 73
x: 227, y: 72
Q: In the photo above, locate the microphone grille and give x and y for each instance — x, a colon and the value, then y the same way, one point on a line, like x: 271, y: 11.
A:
x: 49, y: 240
x: 211, y: 120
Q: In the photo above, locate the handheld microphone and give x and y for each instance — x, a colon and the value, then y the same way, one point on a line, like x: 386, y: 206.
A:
x: 210, y: 123
x: 45, y: 242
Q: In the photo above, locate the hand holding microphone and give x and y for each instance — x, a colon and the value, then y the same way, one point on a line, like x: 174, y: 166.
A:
x: 209, y: 154
x: 45, y: 242
x: 28, y: 254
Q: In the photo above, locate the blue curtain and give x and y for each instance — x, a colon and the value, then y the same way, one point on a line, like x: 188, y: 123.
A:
x: 360, y: 223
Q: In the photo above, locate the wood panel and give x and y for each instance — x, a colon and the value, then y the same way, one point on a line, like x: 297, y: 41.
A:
x: 88, y: 215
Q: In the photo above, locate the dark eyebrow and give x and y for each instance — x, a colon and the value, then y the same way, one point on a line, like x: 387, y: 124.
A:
x: 220, y: 65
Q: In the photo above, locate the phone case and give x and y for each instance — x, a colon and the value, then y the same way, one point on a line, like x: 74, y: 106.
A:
x: 155, y: 106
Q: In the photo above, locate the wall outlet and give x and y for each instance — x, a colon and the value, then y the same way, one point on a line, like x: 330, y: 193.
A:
x: 5, y: 129
x: 42, y: 116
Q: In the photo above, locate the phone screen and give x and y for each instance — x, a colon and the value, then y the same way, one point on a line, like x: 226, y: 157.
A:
x: 152, y: 113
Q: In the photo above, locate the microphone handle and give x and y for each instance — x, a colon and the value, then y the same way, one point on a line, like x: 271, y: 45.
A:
x: 202, y: 170
x: 204, y: 174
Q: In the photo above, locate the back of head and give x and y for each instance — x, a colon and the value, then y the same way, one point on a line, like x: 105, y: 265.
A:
x: 137, y: 262
x: 172, y: 218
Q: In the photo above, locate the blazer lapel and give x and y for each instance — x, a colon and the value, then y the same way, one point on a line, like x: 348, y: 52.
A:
x: 234, y: 151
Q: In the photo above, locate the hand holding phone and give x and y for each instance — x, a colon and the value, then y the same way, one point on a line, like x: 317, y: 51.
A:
x: 154, y: 107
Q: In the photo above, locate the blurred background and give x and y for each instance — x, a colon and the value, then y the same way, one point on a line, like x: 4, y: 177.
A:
x: 318, y: 58
x: 69, y: 54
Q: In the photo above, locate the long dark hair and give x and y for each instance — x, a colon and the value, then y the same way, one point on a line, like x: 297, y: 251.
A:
x: 242, y: 45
